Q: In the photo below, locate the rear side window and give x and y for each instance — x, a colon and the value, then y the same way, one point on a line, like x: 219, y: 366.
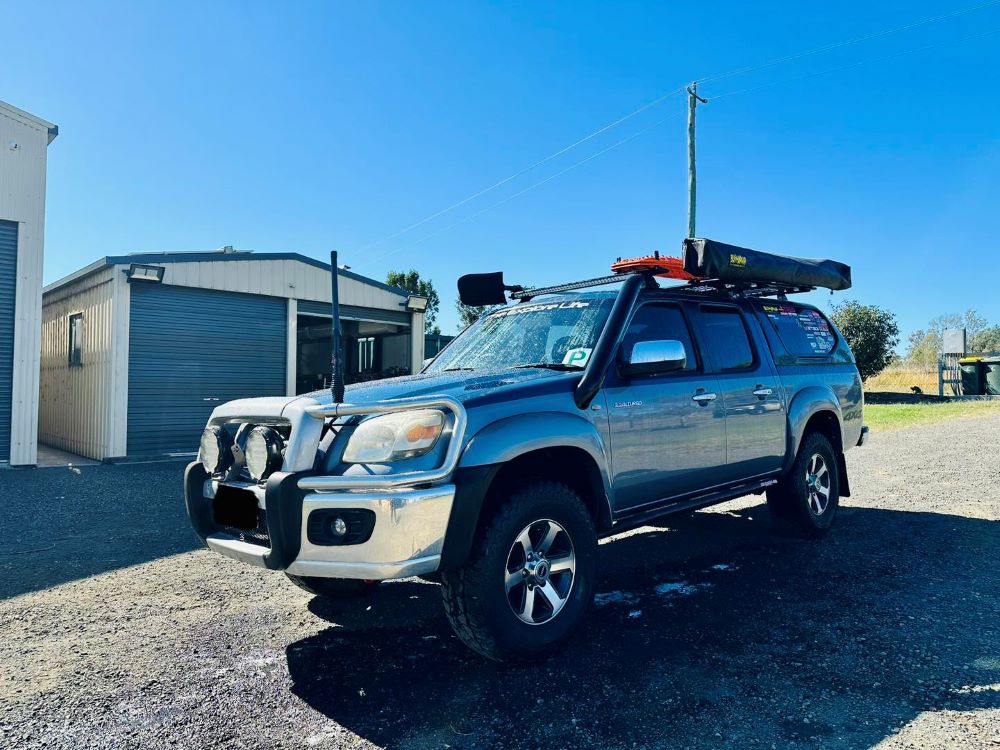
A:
x: 653, y: 322
x: 804, y: 332
x: 726, y: 336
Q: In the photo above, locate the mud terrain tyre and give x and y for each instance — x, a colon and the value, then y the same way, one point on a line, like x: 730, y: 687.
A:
x: 809, y: 495
x: 530, y: 577
x: 333, y: 588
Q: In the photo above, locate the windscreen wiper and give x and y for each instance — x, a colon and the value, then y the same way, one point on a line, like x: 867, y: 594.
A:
x: 456, y: 369
x: 559, y: 366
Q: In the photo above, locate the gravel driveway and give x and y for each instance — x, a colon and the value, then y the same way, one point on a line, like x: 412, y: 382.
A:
x: 117, y: 631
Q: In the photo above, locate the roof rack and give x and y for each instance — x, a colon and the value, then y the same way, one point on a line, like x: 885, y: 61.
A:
x: 708, y: 267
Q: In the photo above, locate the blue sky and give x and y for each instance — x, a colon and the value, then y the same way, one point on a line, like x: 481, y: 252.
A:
x: 310, y: 126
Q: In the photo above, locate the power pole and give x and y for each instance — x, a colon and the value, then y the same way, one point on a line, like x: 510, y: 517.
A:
x: 693, y: 100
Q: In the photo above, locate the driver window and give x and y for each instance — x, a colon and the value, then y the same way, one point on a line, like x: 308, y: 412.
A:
x: 659, y: 322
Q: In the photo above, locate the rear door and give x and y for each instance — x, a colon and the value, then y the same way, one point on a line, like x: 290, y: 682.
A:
x: 748, y: 388
x: 668, y: 431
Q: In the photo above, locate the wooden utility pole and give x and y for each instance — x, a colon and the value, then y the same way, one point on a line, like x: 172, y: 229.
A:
x: 693, y: 100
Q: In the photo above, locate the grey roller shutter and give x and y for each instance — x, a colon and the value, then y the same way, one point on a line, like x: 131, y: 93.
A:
x: 191, y: 350
x: 8, y: 280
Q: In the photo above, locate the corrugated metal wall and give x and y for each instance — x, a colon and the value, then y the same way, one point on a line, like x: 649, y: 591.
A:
x: 192, y: 349
x: 75, y: 403
x: 278, y: 278
x: 8, y: 280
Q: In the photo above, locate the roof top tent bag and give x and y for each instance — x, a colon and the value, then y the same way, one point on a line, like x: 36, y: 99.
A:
x: 730, y: 264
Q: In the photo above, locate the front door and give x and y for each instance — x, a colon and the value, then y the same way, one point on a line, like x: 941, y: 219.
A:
x: 749, y: 390
x: 668, y: 431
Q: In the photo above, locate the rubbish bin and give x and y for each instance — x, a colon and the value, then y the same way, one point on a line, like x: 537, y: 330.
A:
x: 992, y: 376
x: 973, y: 382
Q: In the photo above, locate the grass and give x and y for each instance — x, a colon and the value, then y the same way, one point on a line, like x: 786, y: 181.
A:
x: 889, y: 417
x: 901, y: 378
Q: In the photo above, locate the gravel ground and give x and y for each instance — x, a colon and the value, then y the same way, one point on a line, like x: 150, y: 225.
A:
x: 117, y: 631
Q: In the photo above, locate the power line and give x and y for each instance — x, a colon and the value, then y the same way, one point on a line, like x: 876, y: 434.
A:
x: 528, y: 189
x: 847, y: 43
x: 659, y: 100
x: 856, y: 64
x: 529, y: 168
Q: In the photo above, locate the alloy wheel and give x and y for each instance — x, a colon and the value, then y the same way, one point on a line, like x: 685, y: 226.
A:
x: 818, y: 484
x: 540, y: 572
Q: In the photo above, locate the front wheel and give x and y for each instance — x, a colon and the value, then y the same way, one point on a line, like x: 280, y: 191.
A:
x: 530, y: 577
x: 809, y: 495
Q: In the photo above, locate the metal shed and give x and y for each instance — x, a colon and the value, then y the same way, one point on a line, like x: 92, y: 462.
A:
x: 24, y: 141
x: 137, y: 350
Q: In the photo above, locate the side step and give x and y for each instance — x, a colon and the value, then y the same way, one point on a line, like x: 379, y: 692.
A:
x: 641, y: 517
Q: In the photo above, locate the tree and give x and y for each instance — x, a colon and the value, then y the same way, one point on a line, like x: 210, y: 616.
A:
x: 411, y: 282
x: 872, y: 333
x: 922, y: 348
x: 986, y: 341
x: 469, y: 314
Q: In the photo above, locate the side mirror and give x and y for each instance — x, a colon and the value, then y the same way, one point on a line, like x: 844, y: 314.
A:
x: 652, y: 357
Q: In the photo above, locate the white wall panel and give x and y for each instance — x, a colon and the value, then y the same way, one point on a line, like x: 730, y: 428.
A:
x: 22, y: 199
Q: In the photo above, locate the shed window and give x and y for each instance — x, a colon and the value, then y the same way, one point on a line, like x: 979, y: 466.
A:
x: 76, y: 340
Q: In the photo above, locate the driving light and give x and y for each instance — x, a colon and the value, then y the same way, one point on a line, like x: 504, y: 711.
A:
x: 263, y: 452
x: 214, y: 450
x: 393, y: 437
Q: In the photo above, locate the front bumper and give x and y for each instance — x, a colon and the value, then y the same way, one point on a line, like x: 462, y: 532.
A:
x: 407, y: 538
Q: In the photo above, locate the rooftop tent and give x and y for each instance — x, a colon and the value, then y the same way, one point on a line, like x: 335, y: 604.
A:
x: 709, y: 259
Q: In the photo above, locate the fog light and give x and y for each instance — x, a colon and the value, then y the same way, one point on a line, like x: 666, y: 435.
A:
x: 214, y: 451
x: 339, y: 526
x: 263, y: 452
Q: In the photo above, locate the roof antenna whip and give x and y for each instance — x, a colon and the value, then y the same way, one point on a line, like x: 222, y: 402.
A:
x: 336, y: 356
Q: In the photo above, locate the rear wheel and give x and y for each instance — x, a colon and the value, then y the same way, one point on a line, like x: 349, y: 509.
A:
x: 809, y: 495
x: 333, y: 588
x: 530, y: 577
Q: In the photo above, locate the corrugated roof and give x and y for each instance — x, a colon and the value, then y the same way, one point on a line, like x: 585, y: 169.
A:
x: 214, y: 257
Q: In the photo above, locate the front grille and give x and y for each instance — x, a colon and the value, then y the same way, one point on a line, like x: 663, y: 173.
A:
x: 235, y: 512
x: 257, y: 535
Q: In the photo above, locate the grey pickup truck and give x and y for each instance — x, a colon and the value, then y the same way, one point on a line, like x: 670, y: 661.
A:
x: 571, y: 414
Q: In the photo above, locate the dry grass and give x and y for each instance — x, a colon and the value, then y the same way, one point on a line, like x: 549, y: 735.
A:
x: 901, y: 378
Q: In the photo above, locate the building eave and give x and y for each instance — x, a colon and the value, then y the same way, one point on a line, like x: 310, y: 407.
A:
x: 29, y: 119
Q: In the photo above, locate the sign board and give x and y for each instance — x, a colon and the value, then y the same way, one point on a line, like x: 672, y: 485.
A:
x: 953, y: 341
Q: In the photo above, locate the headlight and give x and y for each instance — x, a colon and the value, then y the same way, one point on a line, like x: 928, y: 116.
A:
x: 263, y: 452
x: 392, y: 437
x: 214, y: 451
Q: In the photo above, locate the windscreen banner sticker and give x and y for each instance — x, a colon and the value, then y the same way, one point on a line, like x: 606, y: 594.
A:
x: 543, y: 307
x: 577, y: 357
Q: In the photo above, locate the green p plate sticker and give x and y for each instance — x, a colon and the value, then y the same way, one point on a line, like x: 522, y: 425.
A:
x: 577, y: 357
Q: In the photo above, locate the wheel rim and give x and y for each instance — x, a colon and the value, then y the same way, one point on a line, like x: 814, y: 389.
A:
x: 818, y: 484
x: 540, y: 572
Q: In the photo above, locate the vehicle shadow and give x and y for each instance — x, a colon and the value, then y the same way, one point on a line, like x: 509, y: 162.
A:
x: 63, y: 524
x: 714, y: 631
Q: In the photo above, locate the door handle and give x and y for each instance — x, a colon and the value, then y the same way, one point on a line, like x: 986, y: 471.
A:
x: 703, y: 398
x: 762, y: 392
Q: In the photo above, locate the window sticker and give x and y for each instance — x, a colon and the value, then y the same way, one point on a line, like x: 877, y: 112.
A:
x: 577, y: 357
x: 543, y: 307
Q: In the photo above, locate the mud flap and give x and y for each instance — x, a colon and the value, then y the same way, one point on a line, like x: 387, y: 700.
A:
x: 845, y: 485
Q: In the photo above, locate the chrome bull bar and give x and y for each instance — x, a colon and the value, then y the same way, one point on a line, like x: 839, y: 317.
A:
x: 392, y: 481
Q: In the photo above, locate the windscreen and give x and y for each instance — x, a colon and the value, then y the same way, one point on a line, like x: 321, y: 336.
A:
x: 557, y: 332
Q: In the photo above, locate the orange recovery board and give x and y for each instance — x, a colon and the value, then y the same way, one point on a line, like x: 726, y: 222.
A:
x: 660, y: 265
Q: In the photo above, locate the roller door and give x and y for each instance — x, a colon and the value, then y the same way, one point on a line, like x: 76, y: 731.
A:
x: 192, y: 349
x: 8, y: 278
